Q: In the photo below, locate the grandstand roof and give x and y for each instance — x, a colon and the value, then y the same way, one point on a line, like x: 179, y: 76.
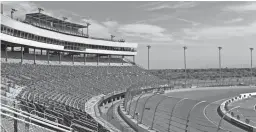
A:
x: 54, y: 20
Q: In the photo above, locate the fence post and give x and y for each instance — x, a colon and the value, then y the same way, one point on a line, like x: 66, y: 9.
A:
x: 127, y: 100
x: 143, y: 109
x: 137, y: 104
x: 225, y: 115
x: 164, y: 97
x: 130, y: 104
x: 190, y: 113
x: 169, y: 124
x: 15, y: 122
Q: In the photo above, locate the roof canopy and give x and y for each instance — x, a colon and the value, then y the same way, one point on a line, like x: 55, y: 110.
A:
x: 45, y: 17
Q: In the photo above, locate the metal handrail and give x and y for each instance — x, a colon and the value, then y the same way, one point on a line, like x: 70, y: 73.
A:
x: 30, y: 118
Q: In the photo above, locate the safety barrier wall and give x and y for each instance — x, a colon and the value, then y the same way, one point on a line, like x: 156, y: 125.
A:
x: 111, y: 97
x: 225, y: 113
x: 130, y: 122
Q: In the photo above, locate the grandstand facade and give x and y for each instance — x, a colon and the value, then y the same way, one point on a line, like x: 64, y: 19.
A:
x: 40, y: 34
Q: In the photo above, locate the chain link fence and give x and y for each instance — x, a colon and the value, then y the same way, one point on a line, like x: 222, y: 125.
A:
x: 170, y: 114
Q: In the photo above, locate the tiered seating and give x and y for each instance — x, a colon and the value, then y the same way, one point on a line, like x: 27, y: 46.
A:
x: 60, y: 83
x: 61, y: 91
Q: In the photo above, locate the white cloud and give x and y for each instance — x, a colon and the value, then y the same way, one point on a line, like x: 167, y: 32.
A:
x: 177, y: 5
x: 189, y: 21
x: 222, y: 32
x: 150, y: 4
x: 250, y: 6
x: 156, y: 18
x: 111, y: 24
x: 234, y: 20
x: 145, y: 31
x: 97, y: 29
x: 158, y: 7
x: 23, y: 8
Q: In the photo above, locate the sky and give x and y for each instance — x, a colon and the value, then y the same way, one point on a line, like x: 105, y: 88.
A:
x: 166, y: 26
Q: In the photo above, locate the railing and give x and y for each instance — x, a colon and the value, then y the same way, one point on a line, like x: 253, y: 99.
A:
x: 22, y: 120
x: 25, y: 123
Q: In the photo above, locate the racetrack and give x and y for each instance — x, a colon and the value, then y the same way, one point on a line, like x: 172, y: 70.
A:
x: 246, y: 110
x: 203, y: 117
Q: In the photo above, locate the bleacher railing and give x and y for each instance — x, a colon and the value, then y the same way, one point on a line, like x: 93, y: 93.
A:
x: 14, y: 120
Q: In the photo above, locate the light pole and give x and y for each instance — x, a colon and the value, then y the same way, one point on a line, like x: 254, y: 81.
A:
x: 64, y: 19
x: 148, y: 54
x: 88, y: 24
x: 185, y: 65
x: 251, y: 64
x: 112, y: 37
x: 220, y: 63
x: 12, y: 11
x: 40, y: 9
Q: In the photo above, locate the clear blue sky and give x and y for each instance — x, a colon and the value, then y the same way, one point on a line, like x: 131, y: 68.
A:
x: 167, y: 27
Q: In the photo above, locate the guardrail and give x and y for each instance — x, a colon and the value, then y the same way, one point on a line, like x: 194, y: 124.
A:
x: 229, y: 116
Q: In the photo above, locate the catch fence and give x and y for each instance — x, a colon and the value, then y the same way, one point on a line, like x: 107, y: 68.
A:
x: 171, y: 114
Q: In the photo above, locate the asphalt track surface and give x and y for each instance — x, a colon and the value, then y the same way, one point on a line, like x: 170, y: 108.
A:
x: 203, y: 118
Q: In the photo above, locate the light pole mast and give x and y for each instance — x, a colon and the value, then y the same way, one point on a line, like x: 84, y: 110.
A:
x: 88, y: 24
x: 40, y: 9
x: 220, y: 63
x: 112, y: 37
x: 185, y: 65
x: 12, y: 11
x: 251, y: 64
x: 64, y: 19
x: 148, y: 54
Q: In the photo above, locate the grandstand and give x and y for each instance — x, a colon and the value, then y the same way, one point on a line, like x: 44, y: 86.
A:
x: 55, y: 76
x: 50, y: 70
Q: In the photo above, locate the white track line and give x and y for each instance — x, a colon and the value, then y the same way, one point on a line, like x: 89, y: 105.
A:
x: 216, y: 111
